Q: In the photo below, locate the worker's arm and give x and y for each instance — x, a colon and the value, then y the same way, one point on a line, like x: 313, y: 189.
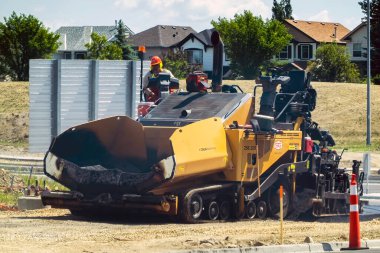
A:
x: 146, y: 90
x: 169, y: 72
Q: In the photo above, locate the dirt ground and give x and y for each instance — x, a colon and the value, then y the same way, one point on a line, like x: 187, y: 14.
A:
x: 55, y: 230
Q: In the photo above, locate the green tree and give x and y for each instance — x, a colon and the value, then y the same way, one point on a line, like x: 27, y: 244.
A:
x: 177, y: 63
x: 250, y: 41
x: 375, y: 33
x: 4, y: 70
x: 122, y: 41
x: 282, y: 10
x: 23, y: 38
x: 332, y: 64
x: 100, y: 48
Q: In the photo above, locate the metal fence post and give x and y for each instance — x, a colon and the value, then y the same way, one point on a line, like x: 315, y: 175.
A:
x: 367, y: 168
x: 56, y: 99
x: 132, y: 90
x: 93, y: 90
x: 368, y: 140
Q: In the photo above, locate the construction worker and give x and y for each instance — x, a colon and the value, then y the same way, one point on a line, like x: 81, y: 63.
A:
x: 156, y: 67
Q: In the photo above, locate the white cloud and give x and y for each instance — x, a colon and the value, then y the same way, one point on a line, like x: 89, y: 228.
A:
x: 228, y: 8
x: 162, y: 4
x: 168, y: 5
x: 126, y: 4
x: 321, y: 16
x: 55, y: 24
x: 195, y: 13
x: 39, y: 9
x: 351, y: 22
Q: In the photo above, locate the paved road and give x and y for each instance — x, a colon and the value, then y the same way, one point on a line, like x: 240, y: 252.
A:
x: 372, y: 194
x: 373, y: 185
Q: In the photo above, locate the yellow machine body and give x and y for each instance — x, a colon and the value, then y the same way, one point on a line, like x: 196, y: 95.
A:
x: 253, y: 155
x: 208, y: 151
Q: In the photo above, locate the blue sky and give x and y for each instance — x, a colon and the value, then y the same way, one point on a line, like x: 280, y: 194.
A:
x: 143, y: 14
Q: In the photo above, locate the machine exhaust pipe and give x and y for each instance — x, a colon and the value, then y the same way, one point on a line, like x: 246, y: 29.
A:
x: 217, y: 66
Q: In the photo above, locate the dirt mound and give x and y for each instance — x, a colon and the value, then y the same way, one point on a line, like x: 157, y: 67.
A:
x: 7, y: 208
x: 14, y: 127
x: 10, y: 182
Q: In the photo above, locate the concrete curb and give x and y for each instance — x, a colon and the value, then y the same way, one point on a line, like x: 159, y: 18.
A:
x: 369, y: 198
x: 30, y: 203
x: 288, y: 248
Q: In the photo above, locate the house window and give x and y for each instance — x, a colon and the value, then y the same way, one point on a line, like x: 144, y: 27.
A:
x: 305, y: 52
x: 80, y: 55
x: 194, y: 56
x: 286, y: 53
x: 67, y: 55
x: 357, y: 50
x: 226, y: 58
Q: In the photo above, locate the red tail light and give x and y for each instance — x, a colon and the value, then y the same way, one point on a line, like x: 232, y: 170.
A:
x: 143, y: 108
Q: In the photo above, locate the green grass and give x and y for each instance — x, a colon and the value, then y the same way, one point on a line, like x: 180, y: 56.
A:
x: 9, y: 198
x: 52, y: 185
x: 14, y: 97
x: 17, y: 144
x: 359, y: 147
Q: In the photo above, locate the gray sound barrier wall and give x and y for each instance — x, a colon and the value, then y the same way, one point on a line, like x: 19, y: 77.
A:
x: 41, y: 77
x: 65, y: 93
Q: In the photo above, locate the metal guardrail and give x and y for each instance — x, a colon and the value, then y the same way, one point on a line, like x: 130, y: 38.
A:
x: 17, y: 158
x: 21, y: 165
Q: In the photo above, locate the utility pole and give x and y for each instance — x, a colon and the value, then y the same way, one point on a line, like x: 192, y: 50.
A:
x: 368, y: 73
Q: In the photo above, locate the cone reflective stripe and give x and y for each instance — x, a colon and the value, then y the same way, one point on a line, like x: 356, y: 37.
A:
x: 354, y: 242
x: 354, y: 200
x: 354, y: 208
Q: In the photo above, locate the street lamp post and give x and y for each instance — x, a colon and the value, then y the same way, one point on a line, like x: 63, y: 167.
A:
x: 368, y: 73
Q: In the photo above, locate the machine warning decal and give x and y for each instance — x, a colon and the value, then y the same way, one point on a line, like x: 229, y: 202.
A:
x: 278, y: 145
x: 207, y: 149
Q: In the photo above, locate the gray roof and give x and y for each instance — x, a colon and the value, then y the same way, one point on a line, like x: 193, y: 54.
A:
x: 161, y: 36
x: 73, y: 38
x: 204, y: 37
x: 348, y: 35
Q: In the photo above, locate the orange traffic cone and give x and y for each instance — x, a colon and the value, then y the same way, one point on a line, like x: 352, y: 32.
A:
x: 354, y: 240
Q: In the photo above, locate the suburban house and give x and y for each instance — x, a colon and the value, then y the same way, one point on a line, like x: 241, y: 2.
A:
x: 74, y: 38
x: 159, y: 39
x: 307, y: 36
x: 200, y: 50
x: 356, y: 42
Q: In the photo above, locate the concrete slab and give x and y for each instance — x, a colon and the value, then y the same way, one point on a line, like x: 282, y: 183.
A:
x: 306, y: 247
x: 30, y: 203
x: 372, y: 244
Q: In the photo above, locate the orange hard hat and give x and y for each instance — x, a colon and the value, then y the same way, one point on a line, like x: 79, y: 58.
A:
x: 155, y: 60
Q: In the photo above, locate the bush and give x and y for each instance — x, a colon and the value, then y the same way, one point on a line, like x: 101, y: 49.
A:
x: 250, y: 41
x: 376, y: 79
x: 333, y: 64
x: 177, y: 63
